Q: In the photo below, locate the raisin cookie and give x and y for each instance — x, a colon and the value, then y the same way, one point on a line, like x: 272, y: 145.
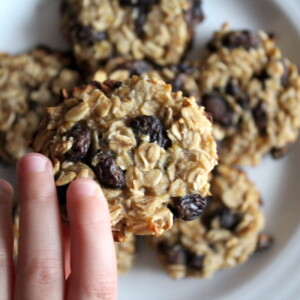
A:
x: 183, y: 77
x: 151, y: 149
x: 28, y: 83
x: 125, y: 252
x: 253, y: 95
x: 157, y: 30
x: 225, y: 235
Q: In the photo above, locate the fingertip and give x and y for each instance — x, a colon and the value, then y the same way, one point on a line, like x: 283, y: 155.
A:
x: 33, y: 162
x: 86, y: 203
x: 84, y: 187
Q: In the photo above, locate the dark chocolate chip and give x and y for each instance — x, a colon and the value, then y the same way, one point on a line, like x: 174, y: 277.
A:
x: 264, y: 242
x: 195, y: 261
x: 245, y: 39
x: 82, y: 138
x: 260, y: 117
x: 218, y: 108
x: 172, y: 254
x: 151, y: 126
x: 108, y: 172
x: 85, y: 35
x: 187, y: 207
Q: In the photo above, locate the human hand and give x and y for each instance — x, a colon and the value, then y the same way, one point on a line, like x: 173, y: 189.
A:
x: 48, y: 267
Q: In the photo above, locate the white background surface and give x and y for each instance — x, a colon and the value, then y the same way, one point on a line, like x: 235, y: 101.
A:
x: 273, y: 275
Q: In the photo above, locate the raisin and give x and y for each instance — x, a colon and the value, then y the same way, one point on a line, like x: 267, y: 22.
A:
x: 140, y: 21
x: 151, y: 126
x: 232, y: 89
x: 187, y: 207
x: 136, y: 67
x: 94, y: 84
x: 62, y: 194
x: 262, y: 76
x: 260, y: 117
x: 173, y: 254
x: 228, y: 218
x: 85, y: 35
x: 242, y: 102
x: 108, y: 172
x: 110, y: 85
x: 138, y: 2
x: 185, y: 68
x: 264, y: 242
x: 194, y: 15
x: 218, y: 108
x: 195, y: 261
x: 245, y: 39
x: 279, y: 152
x: 177, y: 83
x: 211, y: 46
x: 82, y: 139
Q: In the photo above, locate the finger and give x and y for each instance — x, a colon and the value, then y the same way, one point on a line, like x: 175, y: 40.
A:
x: 6, y: 240
x: 67, y: 249
x: 93, y: 262
x: 40, y: 257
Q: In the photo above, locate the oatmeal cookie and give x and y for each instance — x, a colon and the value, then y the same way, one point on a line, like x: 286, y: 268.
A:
x: 125, y: 252
x: 151, y: 150
x: 225, y: 235
x: 157, y: 30
x: 28, y: 83
x: 253, y: 95
x: 183, y: 77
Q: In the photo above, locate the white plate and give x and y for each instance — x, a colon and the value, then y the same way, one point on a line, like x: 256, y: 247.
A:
x: 274, y: 274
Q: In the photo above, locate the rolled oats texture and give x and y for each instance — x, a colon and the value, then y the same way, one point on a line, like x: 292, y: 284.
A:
x: 160, y: 31
x: 224, y: 236
x: 138, y: 175
x: 253, y: 94
x: 183, y: 76
x: 28, y: 83
x: 125, y: 252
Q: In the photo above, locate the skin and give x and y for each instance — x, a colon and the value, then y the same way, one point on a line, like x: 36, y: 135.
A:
x: 75, y: 261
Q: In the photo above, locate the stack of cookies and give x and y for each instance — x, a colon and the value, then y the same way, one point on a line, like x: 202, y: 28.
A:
x: 127, y: 109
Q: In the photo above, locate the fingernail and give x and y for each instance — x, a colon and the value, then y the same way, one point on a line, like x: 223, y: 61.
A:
x: 85, y: 188
x: 36, y: 163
